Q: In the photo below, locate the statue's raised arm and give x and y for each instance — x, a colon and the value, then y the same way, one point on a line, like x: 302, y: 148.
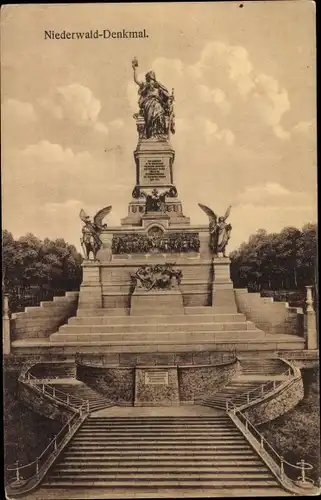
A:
x: 135, y: 66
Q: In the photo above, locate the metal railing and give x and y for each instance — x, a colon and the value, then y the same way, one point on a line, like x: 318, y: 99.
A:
x: 284, y: 469
x: 19, y: 475
x: 259, y: 392
x: 52, y: 391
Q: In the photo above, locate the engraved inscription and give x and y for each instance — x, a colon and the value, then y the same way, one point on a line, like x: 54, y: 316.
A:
x: 157, y: 377
x: 155, y: 171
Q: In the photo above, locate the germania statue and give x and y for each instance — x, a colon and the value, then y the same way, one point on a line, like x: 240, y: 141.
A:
x: 155, y: 106
x: 90, y: 240
x: 220, y: 231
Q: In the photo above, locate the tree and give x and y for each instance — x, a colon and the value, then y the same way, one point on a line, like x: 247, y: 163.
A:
x: 35, y: 267
x: 285, y: 260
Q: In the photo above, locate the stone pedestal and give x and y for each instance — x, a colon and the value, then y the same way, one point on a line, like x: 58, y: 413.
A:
x: 156, y: 386
x: 311, y: 334
x: 105, y: 252
x: 6, y: 341
x: 155, y: 302
x: 90, y: 295
x: 223, y: 298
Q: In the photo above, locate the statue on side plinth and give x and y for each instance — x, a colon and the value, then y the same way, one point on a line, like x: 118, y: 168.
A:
x: 155, y: 107
x: 220, y: 231
x: 90, y: 241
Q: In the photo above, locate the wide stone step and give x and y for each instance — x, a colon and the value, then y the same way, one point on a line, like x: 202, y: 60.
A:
x: 119, y: 311
x: 156, y: 433
x: 164, y: 439
x: 157, y: 327
x: 56, y: 482
x: 214, y: 446
x: 157, y: 319
x: 158, y: 476
x: 228, y: 341
x: 148, y: 461
x: 241, y: 453
x: 62, y: 469
x: 158, y: 337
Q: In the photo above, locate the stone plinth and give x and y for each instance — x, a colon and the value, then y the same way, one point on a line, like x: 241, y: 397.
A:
x: 154, y: 163
x: 223, y: 298
x: 90, y: 295
x: 156, y: 386
x: 156, y: 302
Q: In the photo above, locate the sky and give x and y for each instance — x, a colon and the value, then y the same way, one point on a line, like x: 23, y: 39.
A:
x: 245, y: 106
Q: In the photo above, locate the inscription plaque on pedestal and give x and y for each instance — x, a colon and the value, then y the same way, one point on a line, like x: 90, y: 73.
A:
x: 155, y: 171
x: 159, y: 377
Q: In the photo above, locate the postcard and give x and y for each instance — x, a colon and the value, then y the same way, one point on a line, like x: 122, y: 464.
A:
x: 160, y: 287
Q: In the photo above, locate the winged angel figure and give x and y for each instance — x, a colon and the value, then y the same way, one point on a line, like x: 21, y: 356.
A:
x: 219, y: 230
x: 90, y: 240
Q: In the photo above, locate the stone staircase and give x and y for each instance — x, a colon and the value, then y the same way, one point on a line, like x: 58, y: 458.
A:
x: 158, y: 453
x: 254, y: 373
x: 79, y: 390
x: 235, y: 390
x: 202, y: 326
x: 263, y: 366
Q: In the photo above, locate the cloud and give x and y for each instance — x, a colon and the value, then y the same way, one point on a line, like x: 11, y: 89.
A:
x: 274, y: 194
x: 101, y: 127
x: 19, y: 111
x: 212, y: 131
x: 271, y: 102
x: 216, y: 96
x: 46, y: 152
x: 75, y: 103
x: 304, y: 128
x: 232, y: 59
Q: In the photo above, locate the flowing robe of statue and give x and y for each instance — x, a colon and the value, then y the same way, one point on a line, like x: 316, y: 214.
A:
x: 155, y: 104
x: 152, y: 103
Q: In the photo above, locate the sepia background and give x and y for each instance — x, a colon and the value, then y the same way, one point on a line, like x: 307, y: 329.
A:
x: 244, y: 80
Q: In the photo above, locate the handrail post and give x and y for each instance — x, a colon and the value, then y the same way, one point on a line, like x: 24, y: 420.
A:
x: 226, y: 404
x: 55, y: 444
x: 69, y: 427
x: 262, y: 442
x: 274, y: 385
x: 53, y: 392
x: 37, y: 466
x: 282, y: 467
x: 17, y: 471
x: 262, y: 390
x: 28, y: 376
x: 6, y: 333
x: 67, y: 399
x: 302, y: 464
x: 248, y: 397
x: 88, y: 405
x: 246, y: 425
x: 43, y: 388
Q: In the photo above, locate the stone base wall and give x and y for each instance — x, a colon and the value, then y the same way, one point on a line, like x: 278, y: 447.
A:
x: 109, y: 285
x: 163, y: 394
x: 277, y: 404
x: 42, y: 405
x: 43, y: 320
x: 127, y: 384
x: 204, y: 381
x: 117, y: 384
x: 270, y: 316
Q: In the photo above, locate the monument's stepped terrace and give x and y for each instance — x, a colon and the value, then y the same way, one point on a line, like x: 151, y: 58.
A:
x: 208, y: 329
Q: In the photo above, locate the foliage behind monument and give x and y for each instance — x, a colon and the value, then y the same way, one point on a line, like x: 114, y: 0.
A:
x: 35, y: 270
